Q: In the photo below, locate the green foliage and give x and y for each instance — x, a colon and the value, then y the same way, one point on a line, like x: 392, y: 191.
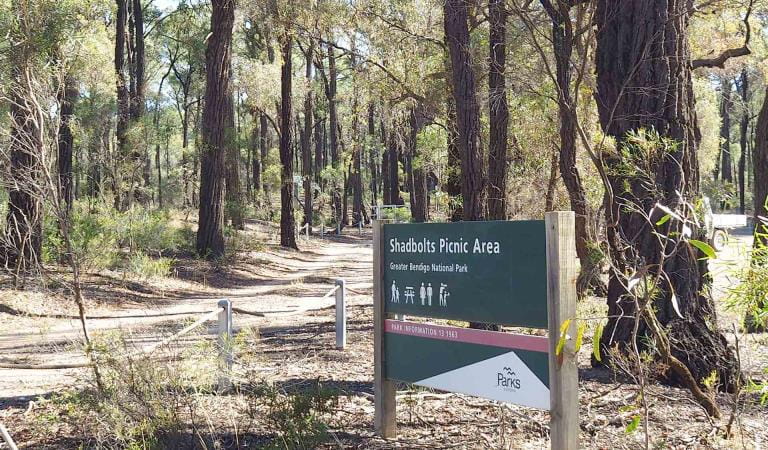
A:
x: 103, y: 238
x: 145, y: 266
x: 751, y: 293
x: 720, y: 193
x: 297, y: 417
x: 143, y: 404
x: 641, y: 152
x: 705, y: 248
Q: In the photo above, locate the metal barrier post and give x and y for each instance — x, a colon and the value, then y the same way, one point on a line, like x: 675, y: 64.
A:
x: 341, y: 314
x: 225, y: 344
x: 7, y: 438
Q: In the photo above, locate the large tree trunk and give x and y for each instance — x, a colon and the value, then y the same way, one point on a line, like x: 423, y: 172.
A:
x: 24, y: 219
x: 760, y: 189
x: 123, y: 95
x: 644, y: 83
x: 743, y: 140
x: 287, y: 220
x: 66, y: 141
x: 563, y: 43
x: 499, y: 112
x: 473, y: 190
x: 725, y: 131
x: 216, y: 129
x: 137, y: 102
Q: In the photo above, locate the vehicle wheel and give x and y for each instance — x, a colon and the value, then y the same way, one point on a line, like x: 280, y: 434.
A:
x: 719, y: 239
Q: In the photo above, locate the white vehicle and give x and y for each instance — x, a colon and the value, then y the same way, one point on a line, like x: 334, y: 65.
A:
x: 717, y: 225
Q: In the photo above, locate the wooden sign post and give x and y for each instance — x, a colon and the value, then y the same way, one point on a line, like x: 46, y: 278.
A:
x: 515, y: 273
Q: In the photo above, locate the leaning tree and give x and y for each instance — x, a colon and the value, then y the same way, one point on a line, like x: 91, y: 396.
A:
x: 646, y: 105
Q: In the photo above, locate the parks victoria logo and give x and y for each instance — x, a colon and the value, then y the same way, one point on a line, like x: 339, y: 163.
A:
x: 507, y: 380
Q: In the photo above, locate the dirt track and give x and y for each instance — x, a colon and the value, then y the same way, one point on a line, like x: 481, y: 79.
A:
x: 270, y: 280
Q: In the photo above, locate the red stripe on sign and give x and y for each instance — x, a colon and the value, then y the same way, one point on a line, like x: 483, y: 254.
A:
x: 469, y: 335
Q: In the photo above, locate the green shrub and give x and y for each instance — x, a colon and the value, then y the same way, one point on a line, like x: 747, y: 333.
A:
x: 102, y: 238
x: 295, y: 417
x: 146, y: 267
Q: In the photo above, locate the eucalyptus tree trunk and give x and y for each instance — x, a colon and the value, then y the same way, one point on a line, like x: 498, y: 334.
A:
x: 216, y: 128
x: 464, y: 90
x: 287, y: 219
x: 744, y: 136
x: 760, y: 167
x: 306, y: 142
x: 264, y: 149
x: 725, y: 131
x: 372, y: 155
x: 394, y: 168
x: 644, y: 83
x: 499, y: 111
x: 233, y: 184
x: 760, y: 189
x: 319, y: 162
x: 453, y: 168
x: 419, y: 212
x: 24, y: 220
x: 256, y: 164
x: 333, y: 125
x: 66, y: 140
x: 563, y: 44
x: 123, y: 96
x: 386, y: 190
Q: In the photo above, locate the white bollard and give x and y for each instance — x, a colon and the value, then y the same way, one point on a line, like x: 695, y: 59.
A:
x: 225, y: 344
x: 307, y: 231
x: 341, y: 314
x: 360, y: 227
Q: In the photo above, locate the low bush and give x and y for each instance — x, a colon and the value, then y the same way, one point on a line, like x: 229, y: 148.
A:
x: 295, y: 417
x: 103, y: 238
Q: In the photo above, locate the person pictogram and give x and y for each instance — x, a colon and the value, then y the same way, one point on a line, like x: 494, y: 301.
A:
x: 429, y: 294
x: 444, y: 294
x: 423, y: 294
x: 395, y: 293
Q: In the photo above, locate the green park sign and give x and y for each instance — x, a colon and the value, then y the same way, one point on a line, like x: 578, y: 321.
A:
x: 513, y: 273
x: 474, y: 271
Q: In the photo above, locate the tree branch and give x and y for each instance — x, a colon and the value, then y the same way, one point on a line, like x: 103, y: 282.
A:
x: 722, y: 58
